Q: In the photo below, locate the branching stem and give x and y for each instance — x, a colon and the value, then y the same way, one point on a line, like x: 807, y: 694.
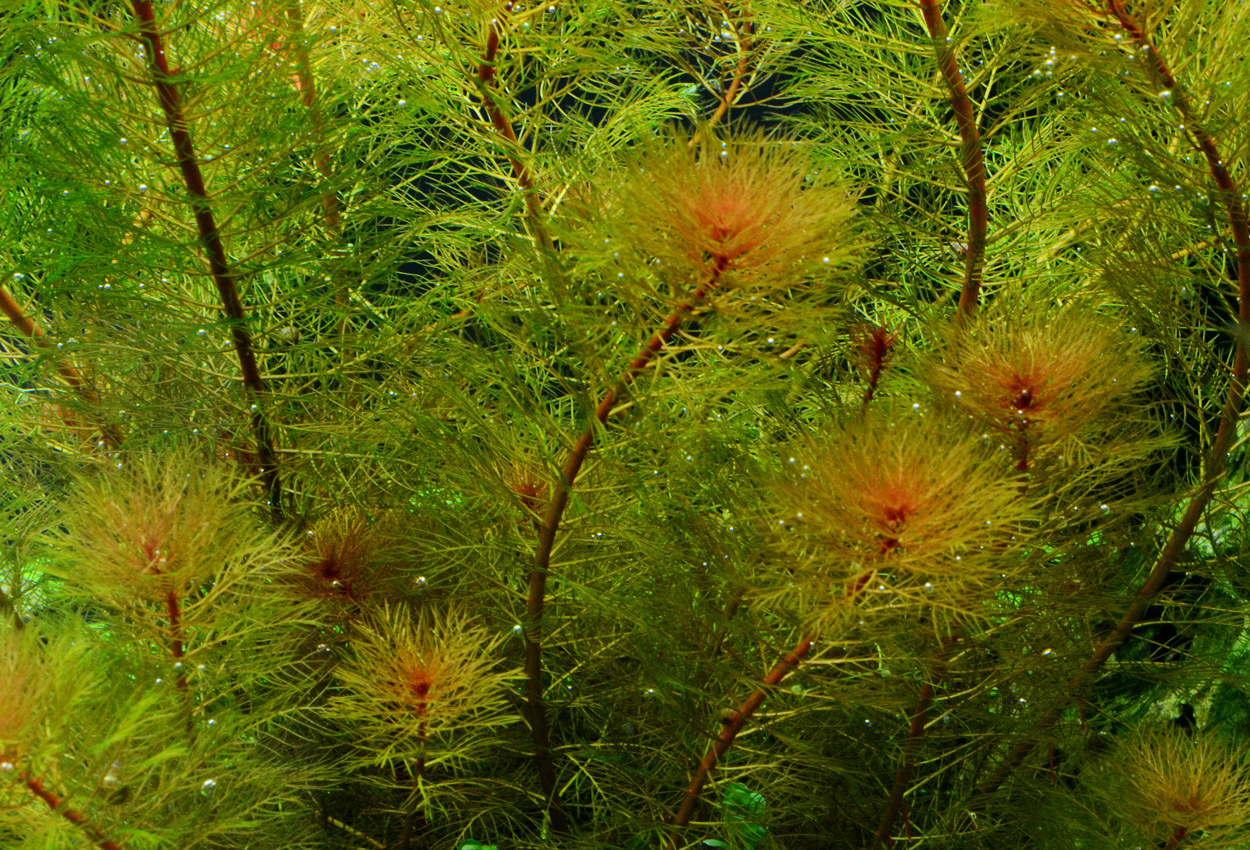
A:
x: 1224, y: 436
x: 503, y: 126
x: 731, y: 729
x: 733, y: 93
x: 907, y: 764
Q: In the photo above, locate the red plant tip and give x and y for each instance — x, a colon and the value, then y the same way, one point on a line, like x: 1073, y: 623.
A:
x: 911, y: 503
x: 531, y: 491
x: 1171, y: 783
x: 419, y: 682
x: 755, y: 212
x: 343, y: 550
x: 423, y: 674
x: 875, y: 347
x: 1038, y: 380
x: 155, y: 526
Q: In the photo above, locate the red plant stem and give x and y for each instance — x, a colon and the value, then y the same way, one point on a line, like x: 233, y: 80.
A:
x: 1224, y: 436
x: 973, y: 160
x: 731, y: 729
x: 547, y: 538
x: 731, y: 94
x: 414, y: 815
x: 1215, y: 163
x: 876, y: 347
x: 907, y: 765
x: 55, y: 803
x: 175, y: 631
x: 1022, y: 450
x: 67, y: 370
x: 210, y: 238
x: 306, y: 84
x: 524, y: 177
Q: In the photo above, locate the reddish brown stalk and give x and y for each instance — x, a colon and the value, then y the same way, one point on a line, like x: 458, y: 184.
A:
x: 524, y: 177
x: 731, y: 95
x: 547, y: 538
x: 1022, y: 450
x: 875, y: 347
x: 175, y: 631
x: 1224, y: 436
x: 1215, y: 163
x: 1176, y: 839
x: 210, y: 238
x: 56, y: 804
x: 68, y: 372
x: 306, y: 85
x: 907, y: 765
x: 731, y: 729
x: 973, y: 160
x: 413, y: 817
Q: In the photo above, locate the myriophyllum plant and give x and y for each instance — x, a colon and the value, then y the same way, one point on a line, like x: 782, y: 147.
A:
x: 1173, y: 789
x: 400, y: 400
x: 1038, y: 378
x: 900, y: 508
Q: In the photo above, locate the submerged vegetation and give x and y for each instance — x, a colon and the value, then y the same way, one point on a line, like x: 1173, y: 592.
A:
x: 622, y: 425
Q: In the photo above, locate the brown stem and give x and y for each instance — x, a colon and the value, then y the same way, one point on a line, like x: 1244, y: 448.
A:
x: 56, y: 804
x: 175, y: 631
x: 413, y: 817
x: 973, y: 160
x: 524, y: 177
x: 1224, y: 436
x: 731, y: 729
x: 331, y: 216
x: 876, y: 349
x: 907, y: 765
x: 68, y: 372
x: 210, y: 238
x: 1232, y: 198
x: 731, y: 95
x: 547, y: 538
x: 1175, y: 840
x: 1022, y: 450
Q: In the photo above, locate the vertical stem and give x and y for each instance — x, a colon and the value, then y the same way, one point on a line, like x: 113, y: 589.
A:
x: 732, y: 93
x: 973, y: 160
x: 1224, y: 436
x: 413, y: 818
x: 175, y: 631
x: 306, y: 84
x: 210, y: 238
x: 907, y: 765
x: 731, y: 729
x: 503, y: 126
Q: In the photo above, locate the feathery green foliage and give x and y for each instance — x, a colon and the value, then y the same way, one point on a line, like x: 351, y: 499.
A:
x: 618, y: 425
